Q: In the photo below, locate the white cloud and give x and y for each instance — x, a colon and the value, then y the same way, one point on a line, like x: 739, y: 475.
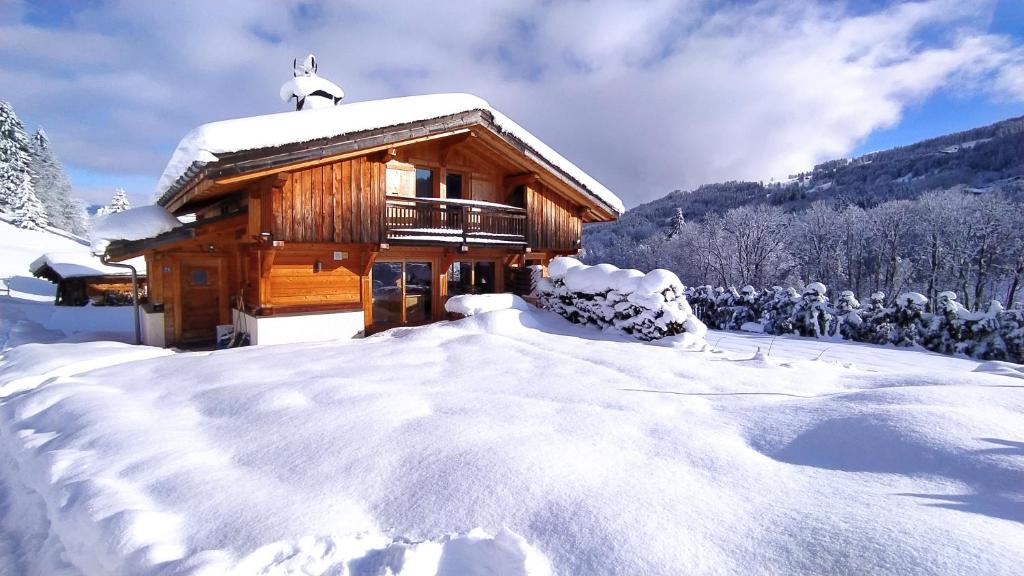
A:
x: 647, y: 96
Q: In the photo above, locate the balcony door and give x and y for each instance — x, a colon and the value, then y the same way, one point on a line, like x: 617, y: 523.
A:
x: 403, y: 293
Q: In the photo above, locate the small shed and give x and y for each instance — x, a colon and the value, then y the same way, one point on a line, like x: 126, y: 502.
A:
x: 82, y: 279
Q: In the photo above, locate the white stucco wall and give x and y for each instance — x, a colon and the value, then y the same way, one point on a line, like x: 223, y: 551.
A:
x: 152, y: 328
x: 311, y: 327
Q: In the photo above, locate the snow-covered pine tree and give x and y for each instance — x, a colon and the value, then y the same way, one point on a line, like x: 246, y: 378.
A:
x: 49, y: 181
x: 119, y: 203
x: 15, y: 173
x: 676, y: 225
x: 30, y: 213
x: 76, y: 217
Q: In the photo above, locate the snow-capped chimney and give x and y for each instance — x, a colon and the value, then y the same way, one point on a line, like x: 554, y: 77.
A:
x: 309, y: 90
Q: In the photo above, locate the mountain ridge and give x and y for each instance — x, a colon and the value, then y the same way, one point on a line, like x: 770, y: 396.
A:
x: 983, y: 160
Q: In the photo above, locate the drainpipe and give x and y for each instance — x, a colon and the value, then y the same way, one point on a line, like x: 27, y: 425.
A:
x: 135, y: 293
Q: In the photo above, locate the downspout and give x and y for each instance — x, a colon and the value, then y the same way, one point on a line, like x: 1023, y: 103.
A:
x: 135, y: 293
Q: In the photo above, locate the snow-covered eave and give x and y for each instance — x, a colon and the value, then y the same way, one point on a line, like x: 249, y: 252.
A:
x: 211, y: 166
x: 121, y: 250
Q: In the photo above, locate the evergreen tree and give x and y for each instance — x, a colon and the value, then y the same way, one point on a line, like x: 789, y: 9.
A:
x: 119, y: 203
x: 49, y: 181
x: 677, y: 225
x: 76, y: 217
x: 15, y: 173
x: 30, y: 213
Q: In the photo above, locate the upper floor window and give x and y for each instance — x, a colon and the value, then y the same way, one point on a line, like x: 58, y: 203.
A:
x: 453, y: 185
x: 424, y: 183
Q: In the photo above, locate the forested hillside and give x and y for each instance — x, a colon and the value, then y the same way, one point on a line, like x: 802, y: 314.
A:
x: 940, y: 214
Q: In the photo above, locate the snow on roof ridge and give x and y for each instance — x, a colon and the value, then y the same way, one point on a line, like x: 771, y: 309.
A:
x: 203, y: 143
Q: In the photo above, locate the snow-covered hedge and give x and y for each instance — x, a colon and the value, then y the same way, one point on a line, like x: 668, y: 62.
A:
x: 993, y: 334
x: 648, y: 306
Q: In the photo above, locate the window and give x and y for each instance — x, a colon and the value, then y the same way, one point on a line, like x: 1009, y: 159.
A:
x: 471, y: 278
x: 402, y: 292
x: 453, y: 185
x: 424, y: 183
x: 199, y: 277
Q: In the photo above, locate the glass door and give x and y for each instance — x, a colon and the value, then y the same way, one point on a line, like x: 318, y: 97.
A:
x: 402, y: 293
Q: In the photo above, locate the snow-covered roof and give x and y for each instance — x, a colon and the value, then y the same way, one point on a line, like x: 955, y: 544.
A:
x: 82, y: 263
x: 204, y: 143
x: 134, y: 224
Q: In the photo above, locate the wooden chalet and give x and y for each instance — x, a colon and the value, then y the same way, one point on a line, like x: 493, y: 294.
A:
x: 344, y: 221
x: 82, y: 279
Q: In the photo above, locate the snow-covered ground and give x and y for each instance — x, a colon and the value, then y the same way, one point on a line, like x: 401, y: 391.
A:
x: 28, y: 315
x: 510, y: 442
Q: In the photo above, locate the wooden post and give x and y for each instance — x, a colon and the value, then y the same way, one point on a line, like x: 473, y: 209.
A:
x: 366, y: 287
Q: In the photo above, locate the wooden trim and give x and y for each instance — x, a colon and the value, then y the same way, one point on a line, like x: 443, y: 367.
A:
x: 306, y: 308
x: 527, y: 179
x: 249, y: 176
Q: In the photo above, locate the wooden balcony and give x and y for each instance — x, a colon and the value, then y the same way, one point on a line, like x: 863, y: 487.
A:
x: 446, y: 221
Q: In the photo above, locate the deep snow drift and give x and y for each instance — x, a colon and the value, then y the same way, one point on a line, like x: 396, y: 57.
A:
x: 507, y: 443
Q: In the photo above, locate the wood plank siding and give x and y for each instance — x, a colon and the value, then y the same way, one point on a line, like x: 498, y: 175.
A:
x: 553, y: 223
x: 341, y: 202
x: 295, y: 281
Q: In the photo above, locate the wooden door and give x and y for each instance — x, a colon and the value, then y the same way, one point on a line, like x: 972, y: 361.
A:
x: 201, y: 295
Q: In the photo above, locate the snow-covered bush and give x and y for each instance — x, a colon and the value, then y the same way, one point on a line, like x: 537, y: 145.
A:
x: 778, y: 311
x: 992, y: 334
x: 648, y: 306
x: 811, y: 316
x: 847, y: 322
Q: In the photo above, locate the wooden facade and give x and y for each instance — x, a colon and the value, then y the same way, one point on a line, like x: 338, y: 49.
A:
x: 401, y: 226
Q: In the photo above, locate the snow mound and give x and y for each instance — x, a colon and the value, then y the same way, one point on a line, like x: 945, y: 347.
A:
x: 471, y: 304
x: 559, y: 266
x: 205, y: 142
x: 1002, y: 368
x: 134, y: 224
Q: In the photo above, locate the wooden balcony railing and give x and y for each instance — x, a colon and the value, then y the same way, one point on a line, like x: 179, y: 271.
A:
x: 449, y: 221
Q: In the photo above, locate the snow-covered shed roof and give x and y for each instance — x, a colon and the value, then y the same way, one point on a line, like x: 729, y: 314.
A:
x: 79, y: 264
x: 206, y: 143
x: 134, y: 224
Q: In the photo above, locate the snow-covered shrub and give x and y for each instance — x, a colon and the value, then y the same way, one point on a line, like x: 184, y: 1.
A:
x: 985, y: 334
x: 648, y: 306
x: 847, y: 322
x: 993, y: 334
x: 1011, y: 323
x: 703, y: 301
x: 811, y: 316
x: 777, y: 313
x: 948, y: 326
x: 904, y: 324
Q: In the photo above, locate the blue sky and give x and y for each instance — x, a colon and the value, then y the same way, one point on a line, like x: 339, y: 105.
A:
x: 646, y: 95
